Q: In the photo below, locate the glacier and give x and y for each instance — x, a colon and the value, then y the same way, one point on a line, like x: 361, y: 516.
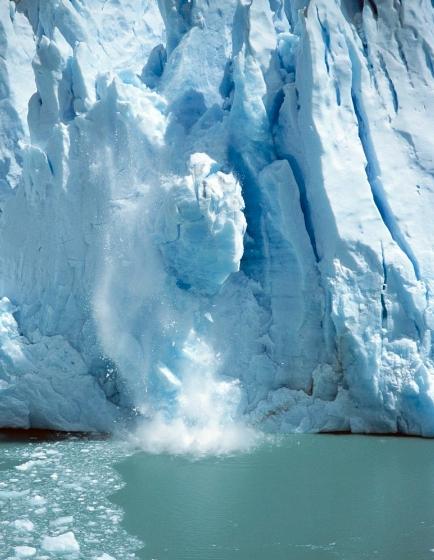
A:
x: 214, y: 213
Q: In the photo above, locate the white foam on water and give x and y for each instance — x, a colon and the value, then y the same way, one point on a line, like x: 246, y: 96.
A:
x: 210, y: 434
x: 204, y: 418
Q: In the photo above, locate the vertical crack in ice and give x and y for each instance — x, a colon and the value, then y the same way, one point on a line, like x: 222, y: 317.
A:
x: 304, y: 203
x: 253, y: 260
x: 391, y: 85
x: 373, y: 171
x: 292, y: 160
x: 383, y: 291
x: 326, y: 40
x: 428, y: 57
x: 402, y: 55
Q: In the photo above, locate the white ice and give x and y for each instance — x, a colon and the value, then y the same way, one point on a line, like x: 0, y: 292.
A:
x: 253, y: 181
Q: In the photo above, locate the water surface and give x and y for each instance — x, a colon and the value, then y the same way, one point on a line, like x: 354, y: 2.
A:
x: 308, y: 498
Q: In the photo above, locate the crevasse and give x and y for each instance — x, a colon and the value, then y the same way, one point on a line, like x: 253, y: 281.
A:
x: 216, y: 215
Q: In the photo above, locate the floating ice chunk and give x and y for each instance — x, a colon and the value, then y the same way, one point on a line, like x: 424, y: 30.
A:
x: 38, y: 455
x: 12, y: 494
x: 24, y: 551
x: 38, y: 500
x: 66, y: 543
x: 52, y: 452
x: 67, y: 520
x: 28, y: 465
x: 24, y: 525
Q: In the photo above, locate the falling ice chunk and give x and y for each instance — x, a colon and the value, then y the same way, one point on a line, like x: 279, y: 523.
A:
x: 168, y: 375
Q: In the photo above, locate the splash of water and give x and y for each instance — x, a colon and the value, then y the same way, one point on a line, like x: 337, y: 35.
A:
x: 203, y: 418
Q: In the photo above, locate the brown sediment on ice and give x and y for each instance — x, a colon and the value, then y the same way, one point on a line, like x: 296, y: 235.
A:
x: 376, y: 434
x: 32, y: 434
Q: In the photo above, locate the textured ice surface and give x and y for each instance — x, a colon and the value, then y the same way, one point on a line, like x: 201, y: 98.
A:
x: 248, y: 185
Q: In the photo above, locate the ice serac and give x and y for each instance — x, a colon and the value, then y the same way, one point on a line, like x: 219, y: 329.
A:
x: 217, y: 212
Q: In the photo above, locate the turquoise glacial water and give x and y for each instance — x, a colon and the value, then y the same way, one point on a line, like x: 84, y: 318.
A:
x: 305, y: 498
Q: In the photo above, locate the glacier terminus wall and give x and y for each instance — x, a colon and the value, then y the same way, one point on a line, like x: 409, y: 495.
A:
x: 217, y: 210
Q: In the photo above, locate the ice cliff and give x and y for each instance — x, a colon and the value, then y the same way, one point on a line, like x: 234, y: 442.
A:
x: 215, y: 209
